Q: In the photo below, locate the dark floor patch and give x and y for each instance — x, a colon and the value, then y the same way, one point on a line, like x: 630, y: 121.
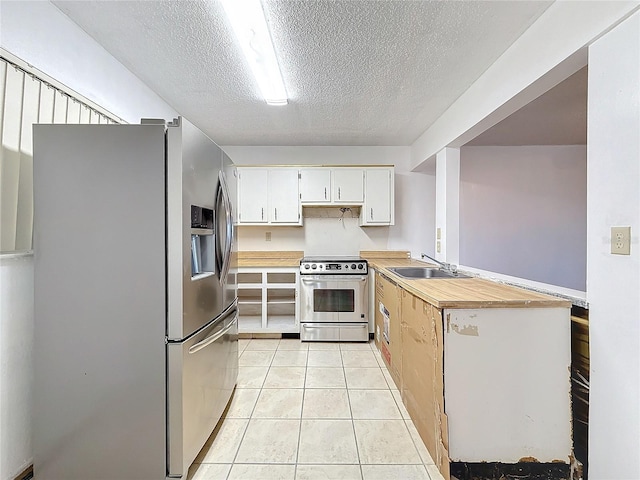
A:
x: 510, y: 471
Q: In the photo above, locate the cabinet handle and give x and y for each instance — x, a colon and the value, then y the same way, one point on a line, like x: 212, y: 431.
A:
x: 371, y: 214
x: 276, y: 213
x: 325, y: 193
x: 339, y: 196
x: 262, y: 213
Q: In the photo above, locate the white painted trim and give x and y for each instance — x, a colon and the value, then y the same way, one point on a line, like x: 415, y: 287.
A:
x: 448, y: 205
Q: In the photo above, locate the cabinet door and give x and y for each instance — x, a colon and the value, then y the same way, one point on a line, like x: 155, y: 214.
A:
x: 315, y: 185
x: 348, y: 185
x: 284, y: 203
x: 252, y: 195
x: 378, y: 199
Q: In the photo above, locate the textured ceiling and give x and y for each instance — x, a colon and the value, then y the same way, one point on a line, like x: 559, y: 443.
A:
x: 357, y: 72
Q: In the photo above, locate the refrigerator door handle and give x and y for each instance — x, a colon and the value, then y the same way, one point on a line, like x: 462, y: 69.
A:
x: 216, y: 336
x: 223, y: 258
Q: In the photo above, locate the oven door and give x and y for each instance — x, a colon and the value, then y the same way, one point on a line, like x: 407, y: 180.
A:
x: 333, y: 298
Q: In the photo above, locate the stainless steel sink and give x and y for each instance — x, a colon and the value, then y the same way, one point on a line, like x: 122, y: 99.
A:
x: 425, y: 272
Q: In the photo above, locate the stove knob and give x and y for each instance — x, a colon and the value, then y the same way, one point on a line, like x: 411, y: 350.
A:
x: 306, y: 266
x: 353, y: 267
x: 360, y: 267
x: 313, y: 266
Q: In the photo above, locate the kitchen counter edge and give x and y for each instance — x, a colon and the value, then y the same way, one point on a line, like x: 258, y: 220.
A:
x: 451, y: 292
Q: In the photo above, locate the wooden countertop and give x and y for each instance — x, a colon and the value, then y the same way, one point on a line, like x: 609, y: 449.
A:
x: 463, y: 292
x: 290, y: 258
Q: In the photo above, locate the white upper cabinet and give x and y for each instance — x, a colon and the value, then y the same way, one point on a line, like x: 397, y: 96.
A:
x: 315, y: 185
x: 275, y: 195
x: 331, y: 186
x: 268, y: 196
x: 378, y: 200
x: 348, y: 185
x: 284, y: 203
x: 253, y: 195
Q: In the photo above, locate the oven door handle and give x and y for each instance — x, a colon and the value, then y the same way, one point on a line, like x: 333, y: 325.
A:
x: 332, y: 278
x: 316, y: 279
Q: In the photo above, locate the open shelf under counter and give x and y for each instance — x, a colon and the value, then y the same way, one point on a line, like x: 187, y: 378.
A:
x: 282, y: 301
x: 275, y: 323
x: 268, y: 299
x: 250, y: 323
x: 282, y: 323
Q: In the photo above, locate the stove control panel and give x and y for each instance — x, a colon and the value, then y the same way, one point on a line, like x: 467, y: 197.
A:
x: 330, y: 267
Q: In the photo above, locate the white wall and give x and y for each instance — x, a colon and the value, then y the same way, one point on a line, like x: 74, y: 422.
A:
x: 39, y: 34
x: 16, y: 363
x: 551, y: 50
x: 326, y: 231
x: 613, y: 281
x: 523, y: 212
x: 448, y: 205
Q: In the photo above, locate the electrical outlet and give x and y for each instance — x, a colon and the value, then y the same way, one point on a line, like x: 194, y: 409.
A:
x: 267, y: 236
x: 621, y: 240
x: 438, y: 233
x: 438, y: 246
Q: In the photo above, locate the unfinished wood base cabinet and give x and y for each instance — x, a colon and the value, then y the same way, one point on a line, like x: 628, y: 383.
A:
x: 483, y: 384
x: 423, y: 375
x: 387, y: 329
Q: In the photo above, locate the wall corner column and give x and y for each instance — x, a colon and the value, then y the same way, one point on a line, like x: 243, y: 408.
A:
x: 447, y: 245
x: 613, y: 281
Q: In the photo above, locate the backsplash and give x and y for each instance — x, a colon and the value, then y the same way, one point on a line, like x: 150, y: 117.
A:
x: 325, y: 231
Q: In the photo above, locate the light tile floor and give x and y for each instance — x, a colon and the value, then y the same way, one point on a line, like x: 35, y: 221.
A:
x: 306, y: 411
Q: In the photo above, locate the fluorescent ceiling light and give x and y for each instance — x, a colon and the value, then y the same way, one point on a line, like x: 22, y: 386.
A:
x: 248, y: 22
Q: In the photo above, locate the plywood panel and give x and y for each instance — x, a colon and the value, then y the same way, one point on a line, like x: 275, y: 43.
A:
x: 422, y: 375
x: 290, y: 258
x: 465, y: 292
x: 388, y: 326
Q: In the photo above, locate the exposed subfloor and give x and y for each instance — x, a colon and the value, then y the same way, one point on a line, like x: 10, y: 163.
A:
x: 314, y: 411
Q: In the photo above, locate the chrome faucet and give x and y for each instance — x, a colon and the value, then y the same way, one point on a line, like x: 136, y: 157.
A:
x: 446, y: 266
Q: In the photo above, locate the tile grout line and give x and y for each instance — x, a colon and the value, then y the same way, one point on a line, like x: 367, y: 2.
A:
x: 405, y: 420
x: 353, y: 425
x: 304, y: 394
x: 348, y: 391
x: 233, y: 462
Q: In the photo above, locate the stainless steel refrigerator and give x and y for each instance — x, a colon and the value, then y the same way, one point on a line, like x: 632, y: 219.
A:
x: 136, y: 351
